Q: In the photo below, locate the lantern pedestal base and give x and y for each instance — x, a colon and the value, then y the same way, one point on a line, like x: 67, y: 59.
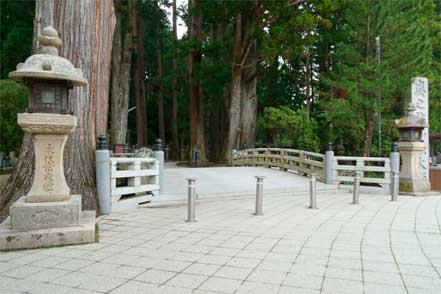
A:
x: 33, y: 215
x: 410, y: 179
x: 36, y: 225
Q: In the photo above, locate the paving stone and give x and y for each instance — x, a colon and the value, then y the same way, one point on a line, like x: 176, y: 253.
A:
x: 134, y: 287
x: 73, y: 264
x: 22, y: 271
x: 265, y: 276
x: 257, y: 288
x: 287, y: 251
x: 187, y: 280
x: 172, y: 265
x: 342, y: 286
x: 155, y: 276
x: 244, y: 262
x: 89, y: 281
x: 294, y: 290
x: 202, y: 269
x: 384, y: 289
x: 303, y: 281
x: 47, y: 275
x: 220, y: 285
x: 214, y: 259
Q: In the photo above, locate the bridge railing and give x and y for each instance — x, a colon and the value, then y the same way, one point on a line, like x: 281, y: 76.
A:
x: 373, y: 170
x: 125, y: 182
x: 329, y: 168
x: 300, y: 161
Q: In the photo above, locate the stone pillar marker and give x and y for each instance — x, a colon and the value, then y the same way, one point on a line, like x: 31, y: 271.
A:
x: 420, y: 98
x: 48, y: 215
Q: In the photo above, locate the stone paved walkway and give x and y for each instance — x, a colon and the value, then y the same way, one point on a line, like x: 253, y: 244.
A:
x: 376, y: 247
x: 215, y: 182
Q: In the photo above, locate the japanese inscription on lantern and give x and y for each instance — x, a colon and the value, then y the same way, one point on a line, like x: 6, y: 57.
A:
x: 48, y: 168
x: 420, y: 97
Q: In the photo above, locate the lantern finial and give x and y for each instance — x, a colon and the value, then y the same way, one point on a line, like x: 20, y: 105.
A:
x: 49, y: 41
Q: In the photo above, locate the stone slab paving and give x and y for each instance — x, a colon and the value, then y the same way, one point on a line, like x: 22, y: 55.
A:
x: 216, y: 182
x: 375, y: 247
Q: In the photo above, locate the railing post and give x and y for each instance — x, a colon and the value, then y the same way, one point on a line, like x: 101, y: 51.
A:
x: 360, y: 166
x: 191, y: 215
x: 394, y: 162
x: 267, y: 158
x: 102, y: 157
x: 356, y: 194
x: 259, y: 195
x: 329, y: 159
x: 158, y: 153
x: 312, y: 192
x: 395, y: 186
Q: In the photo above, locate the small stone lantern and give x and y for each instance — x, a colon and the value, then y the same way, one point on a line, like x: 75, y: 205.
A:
x: 48, y: 215
x: 411, y: 146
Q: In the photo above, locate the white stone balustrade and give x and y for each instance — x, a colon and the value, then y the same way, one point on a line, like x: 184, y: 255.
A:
x: 133, y: 181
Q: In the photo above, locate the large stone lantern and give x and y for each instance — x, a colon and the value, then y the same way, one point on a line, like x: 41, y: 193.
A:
x: 48, y: 215
x: 411, y: 145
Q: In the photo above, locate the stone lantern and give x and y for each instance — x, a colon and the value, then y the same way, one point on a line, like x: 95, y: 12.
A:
x: 411, y: 145
x: 48, y: 215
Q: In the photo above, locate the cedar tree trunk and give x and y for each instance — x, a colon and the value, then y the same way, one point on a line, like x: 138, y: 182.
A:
x: 86, y: 29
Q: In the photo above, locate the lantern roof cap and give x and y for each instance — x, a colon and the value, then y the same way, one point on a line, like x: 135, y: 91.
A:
x: 411, y: 119
x: 46, y: 64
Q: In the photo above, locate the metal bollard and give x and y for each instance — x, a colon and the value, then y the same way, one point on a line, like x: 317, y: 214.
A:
x: 312, y: 192
x: 259, y: 195
x: 356, y: 194
x: 191, y: 200
x: 102, y: 157
x: 395, y: 186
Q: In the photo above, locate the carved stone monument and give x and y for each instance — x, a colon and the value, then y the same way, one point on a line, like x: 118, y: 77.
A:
x: 48, y: 215
x: 420, y: 98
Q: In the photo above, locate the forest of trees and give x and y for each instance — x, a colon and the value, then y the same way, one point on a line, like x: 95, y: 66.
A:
x: 247, y: 73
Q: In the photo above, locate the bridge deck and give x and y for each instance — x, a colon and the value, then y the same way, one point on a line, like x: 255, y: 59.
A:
x: 231, y: 181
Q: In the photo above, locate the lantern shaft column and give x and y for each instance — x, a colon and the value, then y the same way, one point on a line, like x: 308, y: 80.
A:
x: 49, y: 134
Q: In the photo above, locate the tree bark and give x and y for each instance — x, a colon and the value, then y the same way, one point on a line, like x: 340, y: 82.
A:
x: 174, y: 102
x: 116, y: 79
x: 84, y: 27
x: 249, y: 100
x: 161, y: 123
x: 121, y: 75
x: 141, y: 111
x: 235, y: 98
x: 197, y: 138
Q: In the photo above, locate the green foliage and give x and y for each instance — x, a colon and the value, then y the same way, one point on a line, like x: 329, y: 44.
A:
x: 344, y: 85
x: 16, y: 33
x: 13, y: 100
x: 290, y: 128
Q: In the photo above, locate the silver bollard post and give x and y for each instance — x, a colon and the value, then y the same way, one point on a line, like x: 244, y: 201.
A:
x: 259, y: 195
x: 329, y: 160
x: 395, y: 186
x: 312, y: 192
x: 356, y: 194
x: 102, y: 157
x: 158, y: 153
x: 191, y: 200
